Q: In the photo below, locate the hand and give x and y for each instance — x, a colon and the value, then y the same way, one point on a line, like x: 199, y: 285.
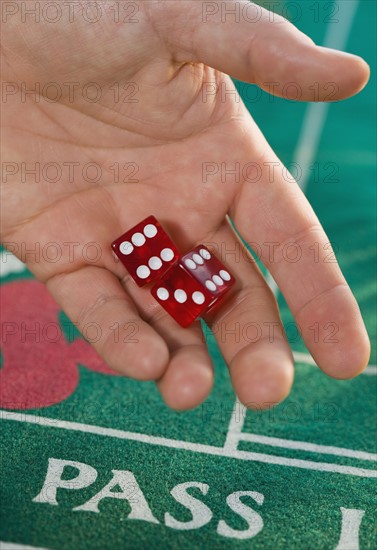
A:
x: 170, y: 54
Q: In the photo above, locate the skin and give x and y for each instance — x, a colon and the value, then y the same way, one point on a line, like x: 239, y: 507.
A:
x: 171, y: 54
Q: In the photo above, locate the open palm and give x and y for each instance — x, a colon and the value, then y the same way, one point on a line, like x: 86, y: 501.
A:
x: 145, y: 117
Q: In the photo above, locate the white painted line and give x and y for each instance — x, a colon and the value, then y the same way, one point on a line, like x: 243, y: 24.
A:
x: 235, y: 435
x: 17, y: 546
x: 339, y: 30
x: 305, y: 446
x: 237, y: 419
x: 315, y: 118
x: 236, y: 423
x: 301, y: 357
x: 188, y: 446
x: 371, y: 370
x: 10, y: 264
x: 316, y: 113
x: 349, y: 536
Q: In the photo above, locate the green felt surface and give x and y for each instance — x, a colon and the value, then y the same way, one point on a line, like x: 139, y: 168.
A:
x: 301, y: 508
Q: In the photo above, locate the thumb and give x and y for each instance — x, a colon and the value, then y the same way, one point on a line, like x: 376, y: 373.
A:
x: 252, y: 44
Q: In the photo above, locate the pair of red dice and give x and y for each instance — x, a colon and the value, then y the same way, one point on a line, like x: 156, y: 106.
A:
x: 185, y: 286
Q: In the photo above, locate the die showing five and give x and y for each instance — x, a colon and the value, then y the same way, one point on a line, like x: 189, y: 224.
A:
x: 187, y: 286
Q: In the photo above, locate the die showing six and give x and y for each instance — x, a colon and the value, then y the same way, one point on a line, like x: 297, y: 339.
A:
x: 187, y: 286
x: 146, y: 251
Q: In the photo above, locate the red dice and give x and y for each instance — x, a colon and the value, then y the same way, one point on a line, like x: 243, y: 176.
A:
x: 146, y: 251
x: 208, y: 270
x: 187, y: 286
x: 193, y: 285
x: 182, y: 296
